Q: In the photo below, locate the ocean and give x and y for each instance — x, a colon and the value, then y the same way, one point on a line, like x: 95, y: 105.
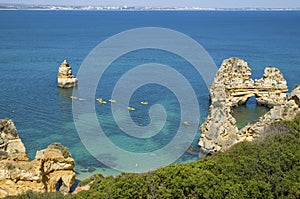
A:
x: 34, y: 43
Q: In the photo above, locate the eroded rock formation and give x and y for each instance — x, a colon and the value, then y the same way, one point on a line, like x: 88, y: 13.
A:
x: 272, y: 88
x: 18, y: 174
x: 295, y: 94
x: 233, y: 86
x: 65, y: 78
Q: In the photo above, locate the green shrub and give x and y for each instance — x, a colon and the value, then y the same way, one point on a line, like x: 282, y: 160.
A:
x: 91, y: 179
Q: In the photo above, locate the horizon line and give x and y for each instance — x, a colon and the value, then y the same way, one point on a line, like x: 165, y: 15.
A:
x: 16, y: 6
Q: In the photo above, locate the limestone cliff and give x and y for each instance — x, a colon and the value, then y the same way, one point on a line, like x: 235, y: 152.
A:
x: 272, y: 88
x: 65, y: 78
x: 295, y: 94
x: 233, y: 86
x: 17, y: 174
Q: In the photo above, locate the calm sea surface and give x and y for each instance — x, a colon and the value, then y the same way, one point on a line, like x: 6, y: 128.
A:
x: 34, y: 43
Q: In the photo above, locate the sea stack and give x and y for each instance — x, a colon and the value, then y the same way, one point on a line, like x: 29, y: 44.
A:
x: 233, y: 86
x: 65, y: 78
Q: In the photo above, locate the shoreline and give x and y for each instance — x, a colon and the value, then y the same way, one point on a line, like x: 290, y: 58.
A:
x: 117, y: 8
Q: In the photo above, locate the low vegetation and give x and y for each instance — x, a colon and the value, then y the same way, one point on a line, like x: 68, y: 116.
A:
x: 64, y: 150
x: 268, y: 168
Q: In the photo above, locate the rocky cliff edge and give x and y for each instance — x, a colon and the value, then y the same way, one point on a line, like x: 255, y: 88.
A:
x: 52, y: 168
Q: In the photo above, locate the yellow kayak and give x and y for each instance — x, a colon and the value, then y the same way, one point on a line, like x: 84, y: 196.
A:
x: 144, y: 102
x: 131, y: 108
x: 73, y: 97
x: 101, y: 101
x: 112, y: 100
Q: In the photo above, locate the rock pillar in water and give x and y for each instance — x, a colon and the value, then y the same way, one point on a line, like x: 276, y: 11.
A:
x: 65, y: 78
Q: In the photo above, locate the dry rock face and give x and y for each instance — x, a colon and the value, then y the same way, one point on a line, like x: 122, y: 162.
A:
x: 295, y: 95
x: 272, y: 88
x: 18, y: 174
x: 233, y: 86
x: 65, y: 78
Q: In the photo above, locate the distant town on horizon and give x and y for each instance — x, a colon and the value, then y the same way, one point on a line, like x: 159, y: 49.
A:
x: 4, y: 6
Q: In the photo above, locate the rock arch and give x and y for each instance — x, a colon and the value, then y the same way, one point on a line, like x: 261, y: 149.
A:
x: 18, y: 174
x: 58, y: 184
x: 233, y: 86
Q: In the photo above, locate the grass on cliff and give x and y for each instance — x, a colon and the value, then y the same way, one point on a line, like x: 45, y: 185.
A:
x: 268, y: 168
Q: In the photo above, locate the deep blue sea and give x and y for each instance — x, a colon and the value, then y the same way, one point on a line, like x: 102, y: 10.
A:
x: 34, y: 43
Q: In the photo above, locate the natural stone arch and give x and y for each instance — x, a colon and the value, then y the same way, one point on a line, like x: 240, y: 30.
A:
x: 64, y: 179
x: 233, y: 86
x: 18, y: 174
x: 58, y: 184
x: 250, y: 111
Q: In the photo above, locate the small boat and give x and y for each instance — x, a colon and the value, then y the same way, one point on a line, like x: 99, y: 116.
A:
x: 101, y: 101
x: 73, y: 97
x: 131, y: 108
x: 112, y: 100
x: 186, y: 123
x: 144, y: 102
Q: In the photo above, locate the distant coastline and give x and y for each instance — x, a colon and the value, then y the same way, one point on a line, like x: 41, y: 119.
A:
x: 131, y: 8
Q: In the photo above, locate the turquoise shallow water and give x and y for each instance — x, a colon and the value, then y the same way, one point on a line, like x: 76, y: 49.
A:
x: 34, y: 43
x: 248, y: 112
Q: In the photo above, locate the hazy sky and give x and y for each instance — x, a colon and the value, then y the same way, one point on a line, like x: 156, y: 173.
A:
x: 171, y: 3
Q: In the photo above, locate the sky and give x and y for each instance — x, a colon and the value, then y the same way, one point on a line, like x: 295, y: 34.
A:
x: 168, y: 3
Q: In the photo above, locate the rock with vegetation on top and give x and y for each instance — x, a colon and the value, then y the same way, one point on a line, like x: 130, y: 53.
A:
x: 65, y: 78
x: 18, y: 174
x: 233, y: 86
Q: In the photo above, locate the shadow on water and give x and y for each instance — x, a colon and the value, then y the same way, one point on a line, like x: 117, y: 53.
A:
x: 248, y: 112
x: 64, y: 95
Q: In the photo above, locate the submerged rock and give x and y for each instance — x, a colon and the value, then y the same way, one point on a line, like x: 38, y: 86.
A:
x: 65, y: 78
x: 18, y: 174
x: 233, y: 86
